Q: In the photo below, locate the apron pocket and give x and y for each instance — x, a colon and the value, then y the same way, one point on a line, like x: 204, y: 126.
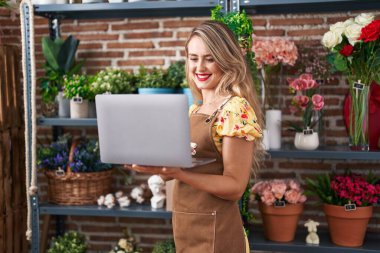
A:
x: 194, y: 232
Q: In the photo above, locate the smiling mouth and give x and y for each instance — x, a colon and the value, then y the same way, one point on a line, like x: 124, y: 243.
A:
x: 202, y: 77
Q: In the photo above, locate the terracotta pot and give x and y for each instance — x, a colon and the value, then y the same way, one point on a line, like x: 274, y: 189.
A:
x: 280, y: 223
x: 347, y: 228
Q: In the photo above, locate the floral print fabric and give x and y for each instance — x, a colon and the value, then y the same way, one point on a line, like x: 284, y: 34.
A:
x: 236, y: 119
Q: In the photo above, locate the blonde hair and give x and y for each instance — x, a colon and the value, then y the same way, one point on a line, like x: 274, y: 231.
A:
x: 237, y: 77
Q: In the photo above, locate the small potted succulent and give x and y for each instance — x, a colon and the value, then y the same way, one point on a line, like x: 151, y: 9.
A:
x: 77, y: 89
x: 76, y: 176
x: 281, y: 204
x: 72, y: 242
x: 348, y: 201
x: 154, y: 82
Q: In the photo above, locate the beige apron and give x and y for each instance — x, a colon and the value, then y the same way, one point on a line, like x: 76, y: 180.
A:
x: 204, y: 223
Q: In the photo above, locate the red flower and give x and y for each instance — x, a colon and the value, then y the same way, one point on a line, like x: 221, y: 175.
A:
x: 244, y: 116
x: 370, y: 32
x: 346, y: 50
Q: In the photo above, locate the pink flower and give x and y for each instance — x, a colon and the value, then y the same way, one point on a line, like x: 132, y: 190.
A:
x: 301, y: 101
x: 278, y: 188
x: 293, y: 197
x: 294, y: 185
x: 318, y: 102
x: 268, y: 198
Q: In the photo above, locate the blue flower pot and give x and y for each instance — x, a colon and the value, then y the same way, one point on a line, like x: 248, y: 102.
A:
x: 156, y: 90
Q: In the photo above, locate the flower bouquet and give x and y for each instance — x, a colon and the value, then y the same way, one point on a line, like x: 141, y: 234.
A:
x: 281, y: 204
x: 307, y: 102
x: 76, y: 176
x: 269, y: 56
x: 355, y: 51
x: 348, y: 204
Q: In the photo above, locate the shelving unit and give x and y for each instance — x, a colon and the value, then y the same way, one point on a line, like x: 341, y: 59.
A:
x: 182, y: 9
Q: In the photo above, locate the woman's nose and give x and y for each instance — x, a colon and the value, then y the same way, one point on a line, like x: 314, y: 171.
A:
x: 201, y: 65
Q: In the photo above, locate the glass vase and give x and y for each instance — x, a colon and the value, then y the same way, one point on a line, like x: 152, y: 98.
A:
x: 358, y: 124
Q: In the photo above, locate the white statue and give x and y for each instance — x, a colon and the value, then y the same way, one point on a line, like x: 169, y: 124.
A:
x: 312, y: 237
x: 137, y: 194
x: 156, y: 185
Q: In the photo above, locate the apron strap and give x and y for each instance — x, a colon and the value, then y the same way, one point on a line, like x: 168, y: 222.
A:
x: 212, y: 116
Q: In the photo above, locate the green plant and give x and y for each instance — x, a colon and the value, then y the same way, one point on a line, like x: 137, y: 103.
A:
x: 76, y: 86
x: 126, y: 245
x: 115, y: 81
x: 241, y: 25
x: 345, y: 189
x: 154, y: 79
x: 175, y: 74
x: 72, y: 242
x: 3, y: 3
x: 60, y: 61
x: 166, y: 246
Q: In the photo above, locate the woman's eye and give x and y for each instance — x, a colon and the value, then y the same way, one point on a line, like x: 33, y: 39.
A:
x: 193, y: 59
x: 210, y: 60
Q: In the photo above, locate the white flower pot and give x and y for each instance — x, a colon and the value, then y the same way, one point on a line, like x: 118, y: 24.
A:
x: 78, y: 109
x: 63, y: 106
x: 273, y: 125
x: 306, y: 141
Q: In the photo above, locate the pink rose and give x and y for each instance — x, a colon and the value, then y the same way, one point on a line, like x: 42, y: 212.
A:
x: 260, y: 187
x: 278, y: 188
x: 268, y: 198
x: 294, y: 197
x: 294, y: 185
x: 318, y: 102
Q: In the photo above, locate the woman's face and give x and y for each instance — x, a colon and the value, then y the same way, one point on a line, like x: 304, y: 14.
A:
x: 203, y: 69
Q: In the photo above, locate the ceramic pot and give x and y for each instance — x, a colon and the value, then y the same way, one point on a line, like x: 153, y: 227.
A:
x: 280, y: 223
x: 78, y: 108
x: 306, y: 141
x: 347, y: 228
x: 273, y: 124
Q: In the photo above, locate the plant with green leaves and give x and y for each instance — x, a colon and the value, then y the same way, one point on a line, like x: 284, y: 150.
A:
x: 76, y: 86
x: 60, y: 61
x: 152, y: 79
x: 3, y: 3
x: 72, y: 242
x: 166, y: 246
x: 241, y: 26
x: 175, y: 74
x: 114, y: 81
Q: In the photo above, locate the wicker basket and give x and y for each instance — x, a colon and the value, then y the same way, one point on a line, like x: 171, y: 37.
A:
x: 77, y: 188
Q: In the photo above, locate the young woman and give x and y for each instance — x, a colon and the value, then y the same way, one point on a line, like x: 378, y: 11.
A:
x: 226, y: 126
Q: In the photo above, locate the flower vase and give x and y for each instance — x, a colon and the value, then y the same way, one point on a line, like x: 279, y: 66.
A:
x: 63, y: 106
x: 78, y: 108
x: 358, y: 123
x: 306, y: 140
x: 273, y: 124
x: 280, y: 223
x: 347, y: 228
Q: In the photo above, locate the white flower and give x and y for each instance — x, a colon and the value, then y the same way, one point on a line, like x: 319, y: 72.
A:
x: 348, y: 22
x: 123, y: 243
x: 331, y: 39
x: 338, y: 27
x: 353, y: 32
x: 364, y: 19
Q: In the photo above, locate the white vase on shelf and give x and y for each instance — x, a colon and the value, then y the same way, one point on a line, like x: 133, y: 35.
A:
x: 273, y: 125
x: 306, y: 140
x: 78, y: 108
x: 63, y: 106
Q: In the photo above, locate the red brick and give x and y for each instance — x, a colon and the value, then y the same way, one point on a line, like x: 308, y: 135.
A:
x: 92, y: 37
x: 176, y: 43
x: 108, y: 54
x: 92, y: 218
x: 336, y: 133
x: 145, y: 62
x: 130, y: 45
x: 141, y: 220
x: 5, y: 12
x: 304, y: 165
x: 132, y: 26
x: 9, y: 22
x: 152, y: 53
x: 307, y: 32
x: 89, y: 46
x: 274, y: 32
x: 334, y: 112
x: 332, y: 101
x: 336, y: 91
x: 182, y: 23
x: 150, y: 230
x: 98, y: 63
x: 85, y: 28
x: 41, y: 21
x: 333, y: 20
x: 259, y: 22
x: 148, y: 35
x: 183, y: 35
x: 296, y: 21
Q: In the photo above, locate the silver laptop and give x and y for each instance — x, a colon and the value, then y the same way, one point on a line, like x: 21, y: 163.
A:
x: 145, y: 130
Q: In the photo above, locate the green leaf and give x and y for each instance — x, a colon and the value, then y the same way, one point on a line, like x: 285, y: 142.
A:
x: 50, y: 50
x: 340, y: 63
x: 67, y: 53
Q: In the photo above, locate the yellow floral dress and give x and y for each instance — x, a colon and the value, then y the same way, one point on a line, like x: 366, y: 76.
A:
x: 236, y: 119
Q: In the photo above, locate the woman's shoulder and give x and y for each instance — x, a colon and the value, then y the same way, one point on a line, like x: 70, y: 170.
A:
x: 192, y: 108
x: 237, y: 104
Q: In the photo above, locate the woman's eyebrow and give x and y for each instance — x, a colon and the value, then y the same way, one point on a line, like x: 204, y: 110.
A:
x: 206, y: 55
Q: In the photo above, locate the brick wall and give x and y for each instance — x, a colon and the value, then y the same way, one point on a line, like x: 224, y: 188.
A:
x: 128, y: 43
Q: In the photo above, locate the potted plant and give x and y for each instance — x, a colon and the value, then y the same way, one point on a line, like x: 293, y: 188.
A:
x: 60, y: 61
x: 113, y: 81
x: 177, y: 77
x: 76, y: 176
x: 72, y: 242
x: 126, y: 245
x: 77, y: 89
x: 154, y: 82
x: 306, y: 101
x: 281, y: 204
x: 166, y: 246
x: 347, y: 203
